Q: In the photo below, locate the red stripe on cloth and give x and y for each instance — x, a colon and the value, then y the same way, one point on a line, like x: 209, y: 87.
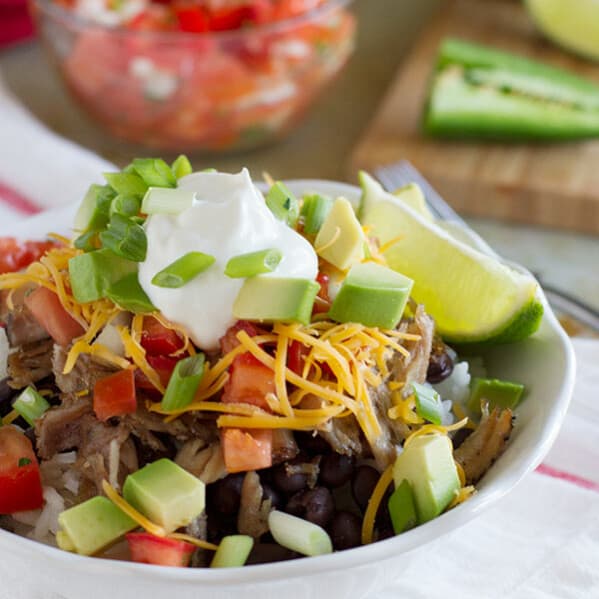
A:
x: 17, y: 200
x: 568, y: 477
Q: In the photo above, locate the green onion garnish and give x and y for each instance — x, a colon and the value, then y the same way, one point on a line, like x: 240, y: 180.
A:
x: 24, y: 462
x: 127, y: 183
x: 299, y: 535
x: 314, y: 210
x: 181, y: 166
x: 428, y: 403
x: 94, y: 210
x: 183, y: 270
x: 129, y: 295
x: 125, y: 238
x: 88, y: 242
x: 30, y: 405
x: 282, y: 203
x: 254, y: 263
x: 184, y: 382
x: 155, y: 172
x: 402, y: 508
x: 160, y: 200
x: 232, y: 551
x: 125, y: 205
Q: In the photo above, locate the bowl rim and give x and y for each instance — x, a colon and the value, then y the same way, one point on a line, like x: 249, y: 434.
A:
x: 351, y: 558
x: 72, y: 19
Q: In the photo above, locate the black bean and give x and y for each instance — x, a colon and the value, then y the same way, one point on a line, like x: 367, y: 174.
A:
x: 225, y: 493
x: 440, y: 365
x: 276, y: 498
x: 147, y: 454
x: 219, y: 526
x: 363, y: 482
x: 265, y: 553
x: 315, y: 505
x: 288, y: 483
x: 460, y: 436
x: 312, y: 444
x: 336, y: 469
x: 345, y: 530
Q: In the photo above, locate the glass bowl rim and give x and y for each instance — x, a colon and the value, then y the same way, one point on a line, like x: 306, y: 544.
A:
x: 69, y: 18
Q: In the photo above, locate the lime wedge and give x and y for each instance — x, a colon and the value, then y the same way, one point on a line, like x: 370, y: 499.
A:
x: 573, y: 24
x: 472, y: 296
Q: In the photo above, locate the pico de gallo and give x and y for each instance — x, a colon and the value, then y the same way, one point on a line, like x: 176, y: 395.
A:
x: 206, y: 376
x: 213, y: 75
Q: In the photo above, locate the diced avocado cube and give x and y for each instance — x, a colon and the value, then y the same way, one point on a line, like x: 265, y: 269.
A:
x: 402, y: 508
x: 502, y: 394
x: 275, y: 299
x: 372, y: 295
x: 341, y: 237
x: 232, y: 551
x: 93, y: 273
x: 427, y: 464
x: 92, y: 526
x: 283, y: 203
x: 166, y: 494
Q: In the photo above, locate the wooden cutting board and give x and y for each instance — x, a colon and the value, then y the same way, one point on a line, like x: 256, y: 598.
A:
x: 555, y: 185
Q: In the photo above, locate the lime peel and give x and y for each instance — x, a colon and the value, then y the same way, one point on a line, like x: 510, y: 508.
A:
x: 472, y: 296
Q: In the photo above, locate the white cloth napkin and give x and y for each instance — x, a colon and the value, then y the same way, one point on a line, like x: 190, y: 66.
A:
x: 540, y: 542
x: 39, y: 169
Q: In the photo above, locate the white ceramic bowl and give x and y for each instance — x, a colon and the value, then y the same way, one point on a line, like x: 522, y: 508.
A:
x: 544, y: 363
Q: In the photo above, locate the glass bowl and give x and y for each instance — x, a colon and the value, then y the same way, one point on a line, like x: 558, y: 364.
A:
x: 215, y: 91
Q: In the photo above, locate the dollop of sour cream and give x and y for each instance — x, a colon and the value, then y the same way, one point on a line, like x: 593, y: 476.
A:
x: 229, y: 217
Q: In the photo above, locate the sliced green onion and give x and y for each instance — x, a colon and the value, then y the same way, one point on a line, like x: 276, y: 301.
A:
x: 428, y: 403
x: 160, y: 200
x: 88, y: 242
x: 125, y: 238
x: 30, y: 405
x: 314, y: 210
x: 93, y: 212
x: 299, y: 535
x: 129, y: 295
x: 91, y: 274
x: 254, y: 263
x: 184, y: 383
x: 232, y: 551
x: 127, y: 183
x: 181, y: 166
x: 155, y: 172
x: 183, y: 270
x: 24, y: 462
x: 125, y: 205
x: 282, y: 203
x: 402, y: 508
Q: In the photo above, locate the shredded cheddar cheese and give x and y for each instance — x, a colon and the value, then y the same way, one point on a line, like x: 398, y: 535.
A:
x: 373, y: 505
x: 148, y: 525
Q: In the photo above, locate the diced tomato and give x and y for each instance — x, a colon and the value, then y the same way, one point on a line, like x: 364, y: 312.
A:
x: 163, y: 365
x: 249, y: 382
x: 20, y: 481
x: 193, y: 19
x: 114, y: 395
x: 323, y: 280
x: 154, y: 18
x: 296, y: 356
x: 49, y: 312
x: 323, y: 301
x: 229, y: 341
x: 246, y: 449
x: 157, y: 340
x: 146, y: 548
x: 16, y: 255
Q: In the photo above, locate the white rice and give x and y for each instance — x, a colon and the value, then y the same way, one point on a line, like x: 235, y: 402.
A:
x: 456, y: 387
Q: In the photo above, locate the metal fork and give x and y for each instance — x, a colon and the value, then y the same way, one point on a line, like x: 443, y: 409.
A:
x: 401, y: 173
